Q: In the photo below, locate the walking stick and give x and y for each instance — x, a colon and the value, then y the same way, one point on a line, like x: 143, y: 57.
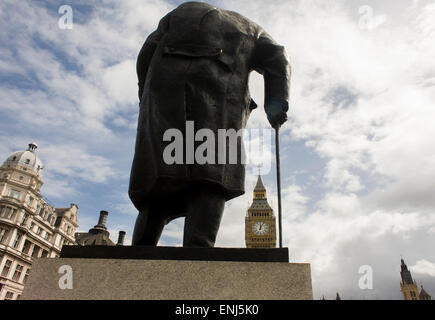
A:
x: 278, y: 181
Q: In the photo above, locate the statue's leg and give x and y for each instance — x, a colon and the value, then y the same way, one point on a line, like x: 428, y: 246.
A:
x: 148, y: 228
x: 204, y: 214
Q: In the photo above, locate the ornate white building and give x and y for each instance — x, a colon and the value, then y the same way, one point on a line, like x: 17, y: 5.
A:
x: 30, y: 227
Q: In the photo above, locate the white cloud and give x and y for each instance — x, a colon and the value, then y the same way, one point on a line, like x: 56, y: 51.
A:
x: 55, y: 188
x: 424, y: 267
x: 74, y: 161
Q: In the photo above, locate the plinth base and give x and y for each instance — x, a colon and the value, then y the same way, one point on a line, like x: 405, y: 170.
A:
x: 123, y: 279
x: 176, y: 253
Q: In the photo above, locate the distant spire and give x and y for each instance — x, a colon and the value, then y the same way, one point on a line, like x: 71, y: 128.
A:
x: 259, y: 186
x: 424, y: 295
x: 405, y: 273
x: 403, y: 265
x: 260, y: 199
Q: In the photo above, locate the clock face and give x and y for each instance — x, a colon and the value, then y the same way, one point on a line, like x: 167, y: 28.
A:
x: 260, y: 228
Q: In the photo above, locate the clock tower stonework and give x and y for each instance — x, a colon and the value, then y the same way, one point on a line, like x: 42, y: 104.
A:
x: 260, y: 222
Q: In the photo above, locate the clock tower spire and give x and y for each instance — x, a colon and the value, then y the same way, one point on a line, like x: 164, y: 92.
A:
x: 260, y: 222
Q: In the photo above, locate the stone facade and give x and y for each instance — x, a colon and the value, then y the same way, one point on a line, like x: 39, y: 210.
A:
x: 30, y: 227
x: 123, y: 279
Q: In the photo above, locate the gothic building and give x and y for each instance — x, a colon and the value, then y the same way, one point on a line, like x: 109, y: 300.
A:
x: 30, y: 226
x: 260, y: 222
x: 408, y: 286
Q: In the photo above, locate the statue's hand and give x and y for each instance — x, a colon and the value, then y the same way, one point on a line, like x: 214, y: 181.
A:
x: 276, y: 110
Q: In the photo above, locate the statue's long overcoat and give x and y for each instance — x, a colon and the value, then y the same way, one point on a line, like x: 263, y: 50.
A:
x: 196, y: 67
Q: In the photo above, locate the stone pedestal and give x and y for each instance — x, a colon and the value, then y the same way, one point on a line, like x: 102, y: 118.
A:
x: 139, y: 279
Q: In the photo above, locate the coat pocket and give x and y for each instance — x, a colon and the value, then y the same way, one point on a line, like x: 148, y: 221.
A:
x: 197, y: 51
x: 190, y: 50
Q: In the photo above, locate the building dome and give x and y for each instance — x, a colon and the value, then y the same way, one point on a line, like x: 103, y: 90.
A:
x: 27, y: 158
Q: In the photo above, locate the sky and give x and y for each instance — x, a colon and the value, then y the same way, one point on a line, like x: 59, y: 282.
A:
x: 357, y: 154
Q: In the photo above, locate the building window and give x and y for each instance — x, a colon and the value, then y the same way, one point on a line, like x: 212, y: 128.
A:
x: 26, y: 247
x: 26, y: 275
x: 9, y: 295
x: 13, y: 213
x: 3, y: 235
x: 30, y: 201
x: 14, y: 194
x: 38, y: 231
x: 25, y: 217
x: 16, y: 241
x: 5, y: 212
x: 35, y: 251
x: 17, y: 273
x: 6, y: 268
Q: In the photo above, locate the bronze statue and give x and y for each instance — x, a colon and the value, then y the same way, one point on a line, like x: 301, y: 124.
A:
x: 195, y: 67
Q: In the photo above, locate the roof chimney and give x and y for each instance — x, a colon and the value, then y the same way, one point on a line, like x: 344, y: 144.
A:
x: 100, y: 228
x: 103, y: 218
x: 121, y: 238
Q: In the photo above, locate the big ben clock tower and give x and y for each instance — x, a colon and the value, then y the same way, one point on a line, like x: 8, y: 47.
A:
x: 260, y: 223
